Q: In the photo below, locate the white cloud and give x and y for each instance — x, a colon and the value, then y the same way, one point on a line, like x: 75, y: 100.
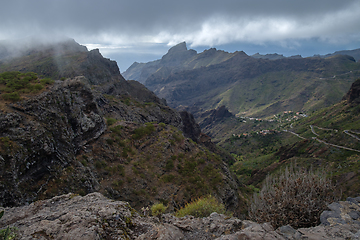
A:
x: 217, y: 30
x: 138, y: 25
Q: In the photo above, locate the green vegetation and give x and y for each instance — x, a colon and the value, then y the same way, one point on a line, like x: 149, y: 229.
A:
x: 14, y: 96
x: 117, y: 129
x: 6, y: 145
x: 158, y: 209
x: 168, y: 178
x: 202, y: 207
x: 295, y: 197
x: 323, y: 140
x: 110, y: 121
x: 143, y: 131
x: 13, y: 84
x: 8, y: 233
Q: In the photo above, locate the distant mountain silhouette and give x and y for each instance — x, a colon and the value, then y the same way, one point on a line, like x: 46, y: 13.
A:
x: 259, y: 85
x: 354, y: 53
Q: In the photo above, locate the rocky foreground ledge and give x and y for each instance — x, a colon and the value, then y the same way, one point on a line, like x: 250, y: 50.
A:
x: 97, y: 217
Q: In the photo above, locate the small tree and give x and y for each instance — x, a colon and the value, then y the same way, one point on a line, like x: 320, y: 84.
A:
x: 295, y: 197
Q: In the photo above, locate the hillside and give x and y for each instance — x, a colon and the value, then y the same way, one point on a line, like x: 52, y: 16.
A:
x: 326, y: 139
x: 257, y: 86
x: 99, y: 132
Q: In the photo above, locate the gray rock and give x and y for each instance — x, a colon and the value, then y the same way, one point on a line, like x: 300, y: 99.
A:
x: 96, y: 217
x: 287, y: 231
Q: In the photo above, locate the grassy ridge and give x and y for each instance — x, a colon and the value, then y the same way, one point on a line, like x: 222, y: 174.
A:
x: 15, y: 84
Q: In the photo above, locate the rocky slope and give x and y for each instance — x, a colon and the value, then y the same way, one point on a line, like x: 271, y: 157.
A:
x: 96, y: 217
x: 108, y: 135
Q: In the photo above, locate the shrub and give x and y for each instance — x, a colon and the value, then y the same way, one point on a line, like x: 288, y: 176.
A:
x: 117, y: 129
x: 117, y: 183
x: 296, y: 198
x: 100, y: 164
x: 169, y: 164
x: 8, y: 233
x: 142, y: 131
x: 110, y: 121
x: 109, y: 141
x: 158, y: 209
x: 121, y: 170
x: 37, y: 87
x: 202, y: 207
x: 178, y: 137
x: 14, y: 96
x: 168, y: 178
x: 46, y: 81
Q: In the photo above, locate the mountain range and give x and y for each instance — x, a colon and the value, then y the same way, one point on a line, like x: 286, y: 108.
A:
x: 268, y: 111
x: 76, y: 125
x: 258, y: 85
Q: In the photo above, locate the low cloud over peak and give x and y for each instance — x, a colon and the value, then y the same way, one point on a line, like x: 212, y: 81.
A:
x: 126, y: 25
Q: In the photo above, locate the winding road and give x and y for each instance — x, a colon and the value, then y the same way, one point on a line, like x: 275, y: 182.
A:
x: 352, y: 135
x: 330, y: 144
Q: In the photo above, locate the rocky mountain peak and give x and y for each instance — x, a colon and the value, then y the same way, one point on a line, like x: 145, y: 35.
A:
x: 181, y: 47
x: 177, y: 55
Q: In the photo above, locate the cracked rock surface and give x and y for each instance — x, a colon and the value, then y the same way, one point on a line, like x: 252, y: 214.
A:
x: 97, y: 217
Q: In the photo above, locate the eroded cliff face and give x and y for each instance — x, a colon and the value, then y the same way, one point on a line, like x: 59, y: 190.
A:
x: 41, y: 136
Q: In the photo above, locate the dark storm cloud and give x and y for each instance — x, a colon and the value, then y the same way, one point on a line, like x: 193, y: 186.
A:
x: 114, y: 25
x: 143, y: 17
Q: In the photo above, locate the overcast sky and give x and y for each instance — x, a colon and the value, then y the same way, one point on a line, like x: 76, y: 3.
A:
x: 143, y: 30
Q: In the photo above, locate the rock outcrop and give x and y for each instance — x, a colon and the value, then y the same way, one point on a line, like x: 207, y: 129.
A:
x: 96, y: 217
x: 215, y: 116
x: 353, y: 95
x: 42, y: 135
